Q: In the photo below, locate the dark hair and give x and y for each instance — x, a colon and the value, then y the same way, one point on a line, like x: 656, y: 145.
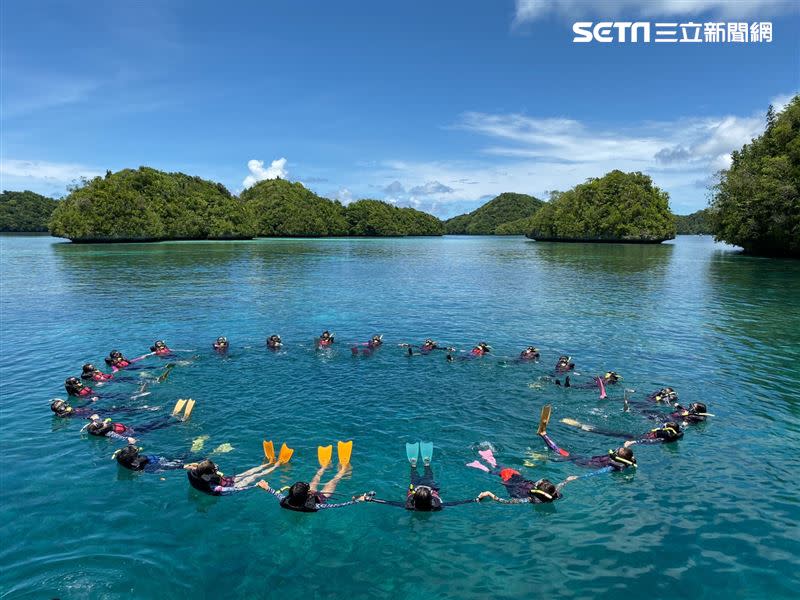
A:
x: 130, y: 458
x: 546, y: 486
x: 99, y: 427
x: 63, y: 406
x: 205, y: 467
x: 625, y: 453
x: 300, y: 495
x: 662, y: 433
x: 698, y: 407
x: 423, y: 498
x: 89, y: 368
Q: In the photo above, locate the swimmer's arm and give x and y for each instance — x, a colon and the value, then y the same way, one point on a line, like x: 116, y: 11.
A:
x: 116, y: 436
x: 265, y: 486
x: 459, y: 502
x: 387, y: 502
x: 630, y: 443
x: 607, y: 469
x: 165, y: 464
x: 561, y: 485
x: 338, y: 505
x: 496, y: 498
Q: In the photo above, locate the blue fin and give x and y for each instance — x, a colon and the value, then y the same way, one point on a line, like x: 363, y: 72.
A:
x: 412, y: 452
x: 427, y: 452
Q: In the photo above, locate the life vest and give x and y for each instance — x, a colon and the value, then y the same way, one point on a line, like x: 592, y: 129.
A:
x: 98, y: 376
x: 310, y: 505
x: 508, y: 473
x: 119, y: 428
x: 208, y: 487
x: 84, y: 391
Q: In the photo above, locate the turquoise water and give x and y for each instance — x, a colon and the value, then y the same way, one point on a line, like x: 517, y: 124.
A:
x: 715, y: 515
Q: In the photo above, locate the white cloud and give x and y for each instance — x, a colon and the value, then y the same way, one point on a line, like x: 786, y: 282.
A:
x: 49, y: 173
x: 344, y: 195
x: 430, y: 188
x: 531, y: 10
x: 277, y: 168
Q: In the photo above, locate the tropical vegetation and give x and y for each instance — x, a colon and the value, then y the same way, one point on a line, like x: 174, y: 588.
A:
x: 502, y: 210
x: 618, y: 207
x: 697, y: 223
x: 25, y: 211
x: 756, y: 203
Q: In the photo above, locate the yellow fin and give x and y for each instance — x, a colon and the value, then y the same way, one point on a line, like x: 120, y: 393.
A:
x: 222, y: 448
x: 178, y: 407
x: 198, y: 443
x: 285, y: 454
x: 571, y: 422
x: 269, y: 451
x: 344, y: 450
x: 324, y: 455
x: 189, y: 408
x: 544, y: 419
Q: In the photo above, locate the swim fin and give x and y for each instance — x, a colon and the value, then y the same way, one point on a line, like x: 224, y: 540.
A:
x: 343, y: 451
x: 285, y: 455
x: 544, y: 419
x: 426, y: 449
x: 324, y: 455
x: 578, y: 424
x: 269, y: 451
x: 189, y: 408
x: 167, y: 370
x: 178, y: 407
x: 476, y: 464
x: 199, y: 442
x: 412, y: 453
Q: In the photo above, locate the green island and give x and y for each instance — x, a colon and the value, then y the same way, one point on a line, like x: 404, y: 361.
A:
x: 25, y: 211
x: 506, y: 214
x: 697, y: 223
x: 149, y: 205
x: 756, y: 203
x: 618, y: 207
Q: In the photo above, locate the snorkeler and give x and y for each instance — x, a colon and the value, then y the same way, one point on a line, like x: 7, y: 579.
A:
x: 616, y: 460
x: 423, y: 491
x: 131, y: 458
x: 664, y: 434
x: 92, y: 373
x: 564, y: 365
x: 530, y: 353
x: 119, y: 431
x: 65, y: 410
x: 159, y: 348
x: 520, y: 490
x: 325, y: 340
x: 206, y: 477
x: 427, y: 347
x: 375, y: 342
x: 75, y: 387
x: 117, y: 361
x: 221, y: 345
x: 667, y: 394
x: 305, y: 496
x: 598, y: 381
x: 274, y: 342
x: 481, y: 349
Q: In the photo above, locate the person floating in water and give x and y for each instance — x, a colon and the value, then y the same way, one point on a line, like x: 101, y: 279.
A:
x: 564, y: 365
x: 92, y: 373
x: 520, y: 490
x: 325, y: 340
x: 530, y: 353
x: 664, y: 434
x: 274, y: 342
x: 159, y: 348
x: 375, y: 342
x: 206, y: 477
x: 696, y: 412
x: 598, y: 381
x: 423, y: 491
x: 616, y: 460
x: 131, y: 458
x: 221, y: 345
x: 667, y: 395
x: 117, y: 361
x: 75, y: 387
x: 305, y: 496
x: 428, y: 346
x: 481, y: 349
x: 64, y: 410
x: 107, y: 428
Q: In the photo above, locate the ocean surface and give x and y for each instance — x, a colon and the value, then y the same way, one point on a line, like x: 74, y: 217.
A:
x: 716, y: 515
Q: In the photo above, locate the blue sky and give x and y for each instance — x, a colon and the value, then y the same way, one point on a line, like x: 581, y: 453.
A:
x: 438, y: 105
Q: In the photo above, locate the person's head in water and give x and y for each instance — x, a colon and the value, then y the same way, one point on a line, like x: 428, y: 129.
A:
x: 222, y: 342
x: 669, y: 431
x: 423, y: 498
x: 697, y: 409
x: 299, y: 495
x: 73, y: 385
x: 130, y: 458
x: 623, y: 457
x: 60, y: 407
x: 377, y: 340
x: 429, y: 342
x: 89, y: 370
x: 612, y: 377
x: 274, y: 340
x: 98, y: 427
x: 158, y: 346
x: 530, y: 351
x: 207, y: 470
x: 483, y: 347
x: 325, y: 335
x: 544, y: 490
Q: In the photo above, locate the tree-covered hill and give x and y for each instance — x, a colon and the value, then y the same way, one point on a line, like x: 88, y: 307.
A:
x: 145, y: 204
x: 618, y: 207
x: 504, y: 208
x: 756, y: 204
x: 696, y: 223
x: 25, y: 211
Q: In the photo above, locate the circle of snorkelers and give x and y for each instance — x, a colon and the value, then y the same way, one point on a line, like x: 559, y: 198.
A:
x: 423, y: 492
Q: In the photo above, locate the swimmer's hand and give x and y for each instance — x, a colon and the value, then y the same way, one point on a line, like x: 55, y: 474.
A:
x: 131, y: 440
x: 629, y: 443
x: 263, y: 485
x: 486, y: 494
x: 190, y: 466
x: 571, y: 478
